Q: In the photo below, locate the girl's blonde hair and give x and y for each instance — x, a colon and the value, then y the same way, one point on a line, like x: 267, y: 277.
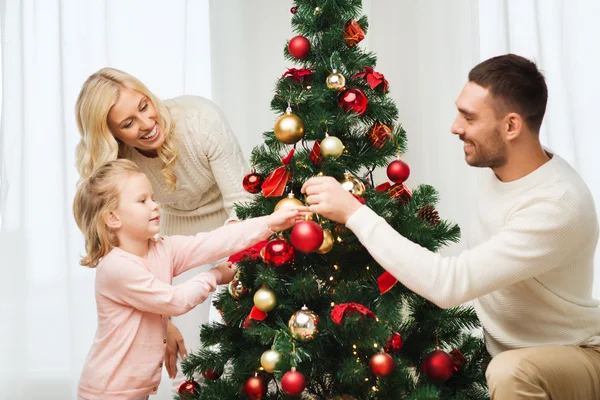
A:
x: 95, y: 197
x: 98, y: 145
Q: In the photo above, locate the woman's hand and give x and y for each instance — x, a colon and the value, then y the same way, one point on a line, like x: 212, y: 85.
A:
x: 285, y: 218
x: 174, y: 345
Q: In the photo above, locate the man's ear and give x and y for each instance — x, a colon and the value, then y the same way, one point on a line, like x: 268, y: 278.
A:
x: 112, y: 220
x: 513, y: 126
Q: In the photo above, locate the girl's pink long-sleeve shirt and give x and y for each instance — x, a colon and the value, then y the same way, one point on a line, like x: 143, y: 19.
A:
x: 134, y: 298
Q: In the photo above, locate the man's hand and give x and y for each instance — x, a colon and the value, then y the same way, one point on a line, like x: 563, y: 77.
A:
x: 174, y: 345
x: 328, y: 198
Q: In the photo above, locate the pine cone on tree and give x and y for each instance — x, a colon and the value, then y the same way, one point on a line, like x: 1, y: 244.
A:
x: 429, y: 214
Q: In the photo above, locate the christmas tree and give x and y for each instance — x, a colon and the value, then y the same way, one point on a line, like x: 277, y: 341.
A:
x: 310, y: 314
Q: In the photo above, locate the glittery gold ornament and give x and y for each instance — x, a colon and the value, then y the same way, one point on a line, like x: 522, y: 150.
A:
x: 353, y: 185
x: 269, y: 360
x: 335, y: 81
x: 236, y: 288
x: 332, y: 147
x: 303, y: 325
x: 328, y: 241
x: 289, y: 128
x: 265, y: 300
x: 288, y: 202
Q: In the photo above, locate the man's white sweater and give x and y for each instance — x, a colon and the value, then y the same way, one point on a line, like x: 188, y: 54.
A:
x: 530, y: 265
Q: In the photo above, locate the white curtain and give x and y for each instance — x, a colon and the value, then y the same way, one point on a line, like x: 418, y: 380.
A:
x: 231, y: 51
x: 48, y: 50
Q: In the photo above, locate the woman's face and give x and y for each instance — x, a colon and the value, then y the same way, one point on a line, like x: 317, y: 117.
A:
x: 134, y: 121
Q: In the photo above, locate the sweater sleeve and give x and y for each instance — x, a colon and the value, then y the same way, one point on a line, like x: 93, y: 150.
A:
x: 129, y: 282
x: 225, y: 156
x: 205, y: 247
x: 536, y: 239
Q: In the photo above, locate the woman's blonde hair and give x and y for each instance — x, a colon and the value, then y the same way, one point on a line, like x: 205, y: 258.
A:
x: 98, y: 145
x: 95, y: 197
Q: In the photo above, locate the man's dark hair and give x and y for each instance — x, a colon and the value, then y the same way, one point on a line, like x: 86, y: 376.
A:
x: 517, y: 84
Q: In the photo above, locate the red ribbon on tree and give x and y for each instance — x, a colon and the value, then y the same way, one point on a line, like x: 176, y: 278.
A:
x: 274, y: 185
x: 386, y: 282
x: 297, y: 74
x: 374, y: 78
x: 252, y: 252
x: 315, y: 153
x: 255, y: 314
x: 337, y: 314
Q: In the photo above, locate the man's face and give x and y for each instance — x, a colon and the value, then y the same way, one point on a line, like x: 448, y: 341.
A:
x: 479, y: 127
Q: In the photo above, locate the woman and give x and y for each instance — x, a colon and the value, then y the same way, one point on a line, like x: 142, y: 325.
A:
x: 188, y: 152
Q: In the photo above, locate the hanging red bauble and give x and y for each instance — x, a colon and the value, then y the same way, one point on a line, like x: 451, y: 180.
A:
x: 253, y: 182
x: 293, y: 10
x: 278, y: 252
x: 381, y: 364
x: 255, y: 388
x: 211, y: 374
x: 398, y: 171
x: 438, y: 366
x: 307, y: 236
x: 299, y: 47
x: 394, y: 343
x: 188, y: 389
x: 353, y: 100
x: 293, y: 383
x: 378, y: 134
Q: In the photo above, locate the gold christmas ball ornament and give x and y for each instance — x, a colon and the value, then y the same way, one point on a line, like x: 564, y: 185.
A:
x: 289, y: 128
x: 331, y: 146
x: 353, y: 185
x: 288, y: 202
x: 335, y: 81
x: 303, y: 325
x: 269, y: 360
x: 265, y: 300
x: 328, y: 241
x: 236, y: 288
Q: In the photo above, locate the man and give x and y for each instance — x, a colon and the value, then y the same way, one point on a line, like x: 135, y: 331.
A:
x: 534, y: 235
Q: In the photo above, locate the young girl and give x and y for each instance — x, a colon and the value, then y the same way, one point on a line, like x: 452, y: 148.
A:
x: 116, y: 212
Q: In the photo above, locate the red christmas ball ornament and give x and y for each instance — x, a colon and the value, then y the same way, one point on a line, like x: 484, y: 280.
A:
x: 293, y: 10
x: 398, y: 171
x: 438, y: 366
x: 307, y: 236
x: 278, y: 253
x: 381, y: 364
x: 394, y: 343
x: 299, y: 47
x: 353, y: 100
x: 253, y: 182
x: 293, y: 383
x: 188, y: 389
x: 211, y: 374
x: 255, y: 388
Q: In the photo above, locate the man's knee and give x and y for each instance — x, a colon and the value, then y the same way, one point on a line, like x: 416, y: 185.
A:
x: 509, y: 368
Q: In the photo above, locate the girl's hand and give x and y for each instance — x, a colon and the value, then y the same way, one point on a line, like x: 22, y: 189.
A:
x: 285, y: 218
x: 227, y: 272
x: 174, y: 345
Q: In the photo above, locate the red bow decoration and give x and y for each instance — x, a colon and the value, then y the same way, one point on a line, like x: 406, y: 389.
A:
x: 386, y: 282
x: 250, y: 252
x: 338, y: 311
x: 274, y: 185
x: 255, y: 314
x: 353, y: 33
x: 315, y: 153
x: 297, y: 74
x: 374, y: 78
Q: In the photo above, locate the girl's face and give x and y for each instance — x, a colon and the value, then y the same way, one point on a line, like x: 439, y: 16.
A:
x: 134, y: 121
x: 138, y: 214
